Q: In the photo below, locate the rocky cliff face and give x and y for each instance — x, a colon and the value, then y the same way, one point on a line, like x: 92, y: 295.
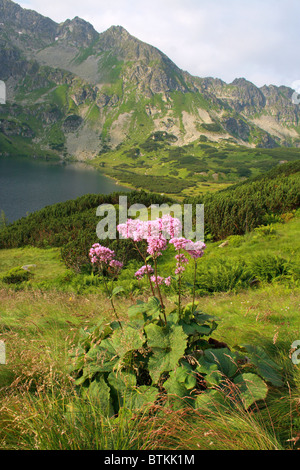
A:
x: 77, y: 92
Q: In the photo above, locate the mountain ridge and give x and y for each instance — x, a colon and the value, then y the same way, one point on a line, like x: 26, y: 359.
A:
x: 81, y: 92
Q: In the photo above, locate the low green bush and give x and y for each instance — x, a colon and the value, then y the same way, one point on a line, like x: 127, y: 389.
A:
x: 271, y: 267
x: 223, y: 276
x: 16, y: 276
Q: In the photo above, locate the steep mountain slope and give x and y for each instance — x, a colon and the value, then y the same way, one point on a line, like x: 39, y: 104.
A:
x: 74, y: 92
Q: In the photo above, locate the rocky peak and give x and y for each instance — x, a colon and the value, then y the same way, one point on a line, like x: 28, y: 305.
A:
x: 77, y: 32
x: 123, y: 44
x: 20, y: 21
x: 148, y: 64
x: 246, y: 97
x: 118, y: 32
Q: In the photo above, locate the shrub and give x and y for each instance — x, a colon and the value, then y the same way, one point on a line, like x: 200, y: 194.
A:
x: 16, y: 276
x: 270, y: 267
x: 223, y: 276
x: 265, y: 230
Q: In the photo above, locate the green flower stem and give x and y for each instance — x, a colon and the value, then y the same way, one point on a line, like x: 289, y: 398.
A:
x: 145, y: 263
x: 179, y: 294
x: 194, y: 286
x: 163, y: 308
x: 109, y: 295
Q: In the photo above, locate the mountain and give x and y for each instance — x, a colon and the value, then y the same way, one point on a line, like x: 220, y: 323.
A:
x: 76, y: 93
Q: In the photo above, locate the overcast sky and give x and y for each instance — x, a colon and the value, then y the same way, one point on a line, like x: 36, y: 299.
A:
x: 227, y: 39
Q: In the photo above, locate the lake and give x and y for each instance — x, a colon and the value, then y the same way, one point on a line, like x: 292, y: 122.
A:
x: 27, y: 185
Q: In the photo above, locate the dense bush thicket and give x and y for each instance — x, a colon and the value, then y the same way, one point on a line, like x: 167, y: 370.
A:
x: 234, y: 211
x: 244, y: 206
x: 72, y: 226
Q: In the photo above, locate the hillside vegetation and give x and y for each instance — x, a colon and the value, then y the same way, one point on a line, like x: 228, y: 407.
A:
x: 234, y: 211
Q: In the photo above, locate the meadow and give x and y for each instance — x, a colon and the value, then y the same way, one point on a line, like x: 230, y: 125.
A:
x: 249, y: 285
x: 190, y: 170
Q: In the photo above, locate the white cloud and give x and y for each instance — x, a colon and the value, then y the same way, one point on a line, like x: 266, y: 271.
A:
x: 257, y: 40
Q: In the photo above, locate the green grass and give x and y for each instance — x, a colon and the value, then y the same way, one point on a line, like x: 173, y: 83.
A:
x: 47, y: 261
x: 60, y: 96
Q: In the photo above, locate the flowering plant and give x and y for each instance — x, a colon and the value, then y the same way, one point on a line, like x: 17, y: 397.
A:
x: 158, y: 358
x: 103, y: 259
x: 158, y: 234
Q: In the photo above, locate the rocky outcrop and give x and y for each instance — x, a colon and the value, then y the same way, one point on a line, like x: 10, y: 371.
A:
x: 14, y: 129
x: 72, y: 123
x: 237, y: 128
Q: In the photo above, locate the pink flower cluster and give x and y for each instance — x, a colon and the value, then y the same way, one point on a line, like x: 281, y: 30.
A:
x: 181, y: 260
x: 116, y: 264
x: 101, y: 256
x: 194, y: 249
x: 144, y: 269
x: 180, y: 243
x: 156, y: 245
x: 161, y: 228
x: 160, y: 280
x: 133, y: 229
x: 156, y: 280
x: 155, y: 232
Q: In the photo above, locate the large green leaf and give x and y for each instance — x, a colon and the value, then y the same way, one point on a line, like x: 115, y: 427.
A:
x: 224, y: 360
x: 182, y: 378
x: 168, y: 345
x: 147, y: 310
x: 100, y: 358
x: 209, y: 371
x: 110, y: 353
x: 123, y: 384
x: 126, y: 339
x: 117, y: 291
x: 180, y: 385
x: 140, y: 397
x: 210, y: 400
x: 99, y: 393
x: 251, y: 388
x: 266, y: 367
x: 121, y: 381
x: 194, y: 328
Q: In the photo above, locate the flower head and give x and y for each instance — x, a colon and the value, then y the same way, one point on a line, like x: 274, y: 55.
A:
x: 144, y: 269
x: 181, y: 259
x: 133, y: 229
x: 196, y: 249
x: 157, y: 280
x: 101, y: 254
x: 156, y: 245
x: 179, y: 243
x: 171, y: 225
x: 116, y: 264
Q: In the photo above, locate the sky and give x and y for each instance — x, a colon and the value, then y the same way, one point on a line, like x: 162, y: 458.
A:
x: 226, y: 39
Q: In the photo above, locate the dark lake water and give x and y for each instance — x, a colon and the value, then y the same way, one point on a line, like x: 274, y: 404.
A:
x: 27, y: 185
